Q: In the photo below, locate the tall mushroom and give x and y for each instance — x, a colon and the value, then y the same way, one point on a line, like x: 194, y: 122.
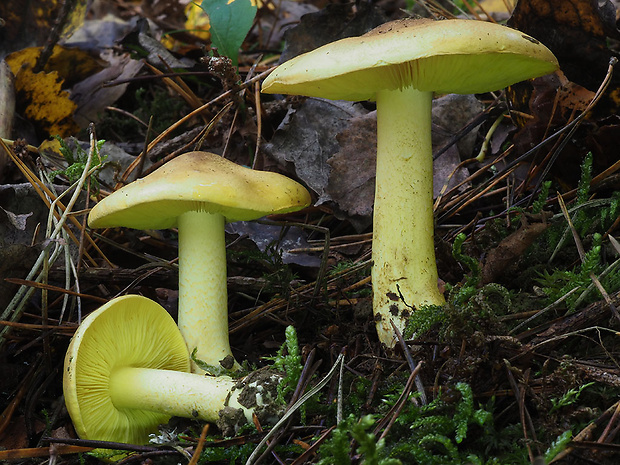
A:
x: 400, y: 64
x: 198, y: 192
x: 127, y: 371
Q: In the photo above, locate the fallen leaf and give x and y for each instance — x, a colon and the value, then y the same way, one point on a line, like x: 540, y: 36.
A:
x: 351, y: 183
x: 576, y: 31
x: 71, y: 64
x: 92, y: 96
x: 574, y: 97
x: 44, y: 103
x: 196, y: 26
x: 156, y: 54
x: 18, y: 221
x: 40, y: 96
x: 307, y: 138
x: 499, y: 260
x: 275, y: 23
x: 266, y: 235
x: 98, y: 34
x: 334, y: 22
x: 197, y: 21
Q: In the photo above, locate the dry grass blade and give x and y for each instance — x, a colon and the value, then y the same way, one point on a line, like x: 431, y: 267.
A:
x: 587, y: 432
x: 526, y: 420
x: 178, y: 85
x: 388, y: 420
x: 200, y: 445
x: 36, y: 452
x: 38, y: 272
x: 49, y: 287
x: 65, y: 330
x: 253, y: 456
x: 7, y: 414
x: 45, y: 194
x: 312, y: 450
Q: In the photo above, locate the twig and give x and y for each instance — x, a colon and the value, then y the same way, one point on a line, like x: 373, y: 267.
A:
x: 200, y: 445
x: 413, y: 366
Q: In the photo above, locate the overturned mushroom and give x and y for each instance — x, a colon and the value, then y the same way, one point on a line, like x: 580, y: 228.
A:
x: 127, y: 371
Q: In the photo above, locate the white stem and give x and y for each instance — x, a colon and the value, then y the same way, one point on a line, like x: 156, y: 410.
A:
x: 203, y: 296
x: 404, y: 273
x: 174, y: 393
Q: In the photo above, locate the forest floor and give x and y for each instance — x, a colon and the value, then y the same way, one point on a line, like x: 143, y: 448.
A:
x: 518, y: 367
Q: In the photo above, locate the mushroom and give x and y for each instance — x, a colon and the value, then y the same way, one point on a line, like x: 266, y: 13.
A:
x: 127, y: 371
x: 400, y: 64
x: 198, y: 192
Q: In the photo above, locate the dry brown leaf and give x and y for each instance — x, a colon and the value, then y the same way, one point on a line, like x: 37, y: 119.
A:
x: 509, y: 250
x: 352, y: 176
x: 576, y: 31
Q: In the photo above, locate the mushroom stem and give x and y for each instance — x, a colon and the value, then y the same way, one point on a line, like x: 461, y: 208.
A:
x: 203, y: 296
x: 174, y: 393
x: 404, y: 273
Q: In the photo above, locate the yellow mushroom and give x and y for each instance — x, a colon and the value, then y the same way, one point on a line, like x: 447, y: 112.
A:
x: 198, y: 192
x: 400, y: 65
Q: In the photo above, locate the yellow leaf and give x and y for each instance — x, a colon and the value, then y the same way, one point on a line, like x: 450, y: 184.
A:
x: 44, y: 103
x: 197, y: 21
x: 71, y: 64
x: 40, y: 96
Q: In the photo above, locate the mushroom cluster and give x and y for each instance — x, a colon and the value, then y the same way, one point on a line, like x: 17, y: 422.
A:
x: 128, y: 367
x: 198, y: 192
x: 400, y: 65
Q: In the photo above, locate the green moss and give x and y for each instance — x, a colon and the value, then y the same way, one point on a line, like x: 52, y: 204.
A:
x: 336, y: 451
x: 76, y: 158
x: 426, y: 317
x: 577, y: 281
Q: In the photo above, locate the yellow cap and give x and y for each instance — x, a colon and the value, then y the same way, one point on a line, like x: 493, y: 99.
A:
x: 198, y: 181
x: 450, y: 56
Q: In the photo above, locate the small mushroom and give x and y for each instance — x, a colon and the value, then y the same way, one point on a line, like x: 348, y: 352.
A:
x: 127, y: 371
x: 400, y: 64
x: 198, y: 192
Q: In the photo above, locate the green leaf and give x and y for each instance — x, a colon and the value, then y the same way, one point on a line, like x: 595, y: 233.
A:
x: 230, y: 23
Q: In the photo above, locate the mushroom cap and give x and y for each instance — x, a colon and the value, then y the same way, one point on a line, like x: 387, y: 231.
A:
x: 449, y: 56
x: 198, y: 181
x: 128, y: 331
